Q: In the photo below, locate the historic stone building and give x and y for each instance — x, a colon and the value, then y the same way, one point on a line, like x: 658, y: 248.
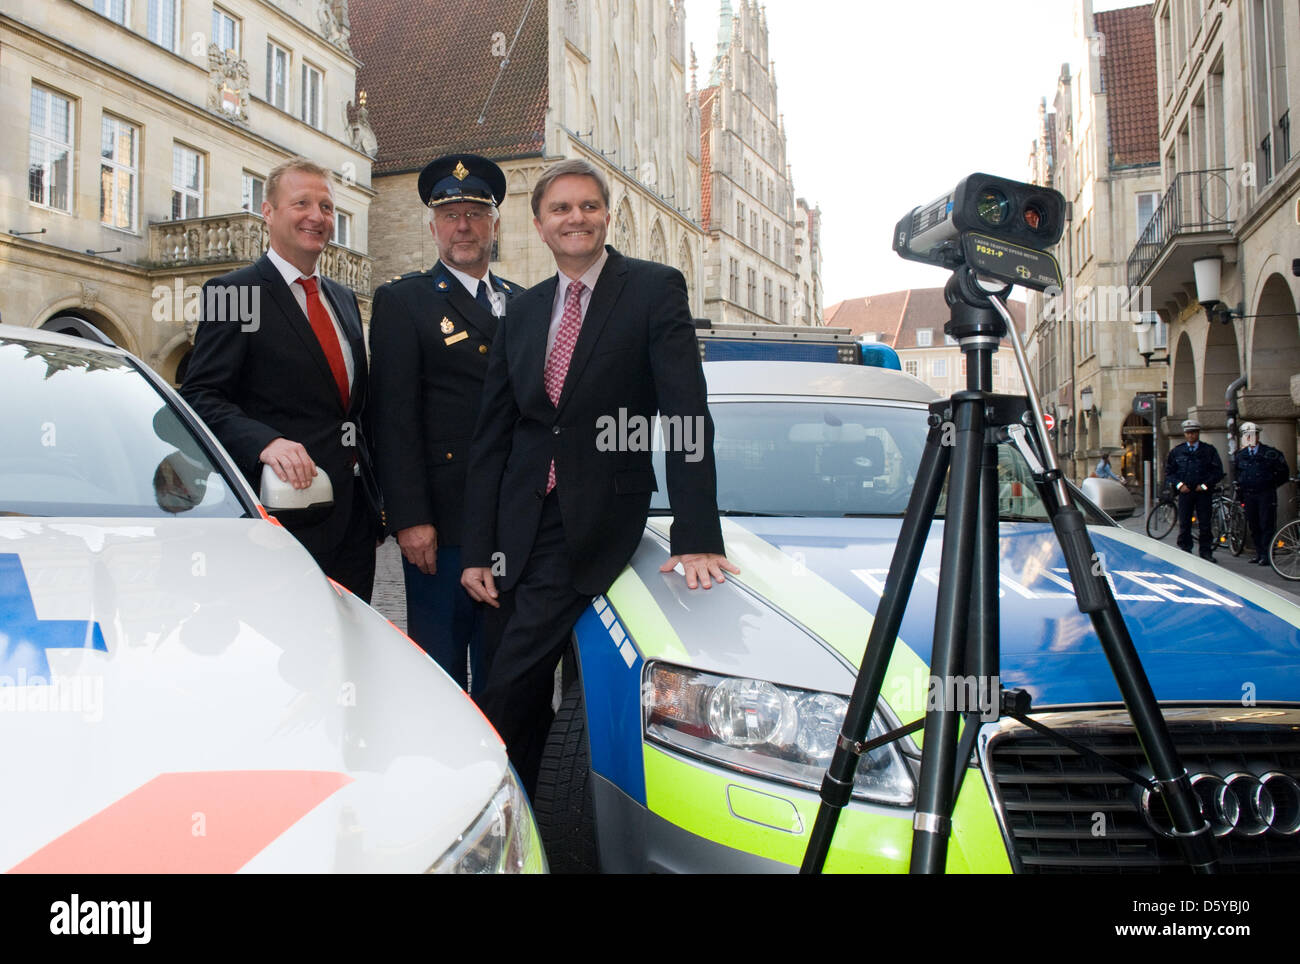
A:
x: 1099, y: 147
x: 527, y: 84
x: 763, y: 247
x: 147, y: 129
x: 808, y: 264
x: 1227, y: 216
x: 911, y: 322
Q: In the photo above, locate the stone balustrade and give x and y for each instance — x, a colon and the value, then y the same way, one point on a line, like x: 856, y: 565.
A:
x: 231, y: 238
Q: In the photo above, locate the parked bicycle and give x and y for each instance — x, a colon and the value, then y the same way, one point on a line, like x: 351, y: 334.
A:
x: 1227, y: 521
x: 1284, y: 550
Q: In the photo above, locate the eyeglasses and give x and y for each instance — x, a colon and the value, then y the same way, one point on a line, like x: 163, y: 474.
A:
x: 473, y: 216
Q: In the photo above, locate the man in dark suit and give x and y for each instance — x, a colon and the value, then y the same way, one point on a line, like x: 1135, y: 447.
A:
x: 284, y: 384
x: 553, y: 510
x: 1193, y: 469
x: 430, y: 333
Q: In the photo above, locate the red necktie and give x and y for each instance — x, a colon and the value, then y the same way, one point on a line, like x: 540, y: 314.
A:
x: 557, y: 363
x: 327, y: 336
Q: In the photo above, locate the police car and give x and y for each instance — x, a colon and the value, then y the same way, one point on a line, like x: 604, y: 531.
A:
x: 181, y: 687
x: 695, y: 727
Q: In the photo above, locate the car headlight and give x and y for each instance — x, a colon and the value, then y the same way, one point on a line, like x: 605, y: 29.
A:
x: 503, y: 838
x: 762, y: 728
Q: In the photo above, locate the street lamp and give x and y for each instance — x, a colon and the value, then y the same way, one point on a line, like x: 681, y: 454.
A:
x: 1085, y: 401
x: 1208, y: 272
x: 1146, y: 336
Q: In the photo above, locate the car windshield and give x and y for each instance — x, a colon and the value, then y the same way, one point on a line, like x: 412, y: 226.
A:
x: 823, y: 458
x: 86, y: 434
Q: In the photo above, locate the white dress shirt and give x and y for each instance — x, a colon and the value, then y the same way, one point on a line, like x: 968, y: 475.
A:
x: 291, y: 276
x: 497, y: 298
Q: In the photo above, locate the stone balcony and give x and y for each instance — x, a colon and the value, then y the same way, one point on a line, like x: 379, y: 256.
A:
x: 1193, y: 221
x: 232, y: 239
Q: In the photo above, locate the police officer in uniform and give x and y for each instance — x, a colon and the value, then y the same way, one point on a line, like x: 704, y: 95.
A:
x: 1259, y: 469
x: 430, y: 336
x: 1194, y: 469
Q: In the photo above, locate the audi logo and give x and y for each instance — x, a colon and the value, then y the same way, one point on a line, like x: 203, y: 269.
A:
x: 1239, y: 803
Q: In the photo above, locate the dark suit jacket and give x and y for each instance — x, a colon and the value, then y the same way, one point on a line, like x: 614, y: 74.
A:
x: 636, y: 355
x: 253, y: 383
x: 429, y: 343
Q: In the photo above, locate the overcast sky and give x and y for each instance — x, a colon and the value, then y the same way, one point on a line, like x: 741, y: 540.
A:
x: 889, y: 104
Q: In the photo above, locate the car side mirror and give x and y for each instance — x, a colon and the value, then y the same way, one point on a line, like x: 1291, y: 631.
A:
x: 297, y: 507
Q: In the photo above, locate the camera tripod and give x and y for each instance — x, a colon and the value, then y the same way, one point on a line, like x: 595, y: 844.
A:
x: 965, y: 431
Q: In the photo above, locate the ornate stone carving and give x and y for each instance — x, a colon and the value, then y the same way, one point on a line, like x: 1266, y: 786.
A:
x: 228, y: 77
x: 89, y: 294
x: 623, y: 238
x: 356, y: 118
x: 575, y: 24
x: 335, y: 26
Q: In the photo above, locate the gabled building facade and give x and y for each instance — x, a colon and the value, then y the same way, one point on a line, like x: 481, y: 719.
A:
x: 1227, y: 217
x: 1099, y: 147
x: 528, y: 84
x: 911, y: 322
x: 146, y: 131
x: 763, y: 246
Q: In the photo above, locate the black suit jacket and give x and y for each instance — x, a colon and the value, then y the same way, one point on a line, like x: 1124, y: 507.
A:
x: 429, y: 344
x: 636, y: 355
x: 258, y: 381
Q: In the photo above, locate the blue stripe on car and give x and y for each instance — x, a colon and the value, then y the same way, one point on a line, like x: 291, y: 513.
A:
x: 1198, y: 640
x: 611, y: 683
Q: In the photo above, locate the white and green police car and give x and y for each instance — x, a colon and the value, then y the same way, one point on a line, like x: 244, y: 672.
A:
x: 695, y: 727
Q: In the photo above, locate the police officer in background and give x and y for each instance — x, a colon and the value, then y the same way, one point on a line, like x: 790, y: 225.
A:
x: 1194, y: 469
x: 430, y: 337
x: 1259, y: 469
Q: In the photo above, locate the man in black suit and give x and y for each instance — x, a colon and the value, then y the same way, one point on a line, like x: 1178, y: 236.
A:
x: 553, y: 510
x: 284, y: 384
x: 430, y: 333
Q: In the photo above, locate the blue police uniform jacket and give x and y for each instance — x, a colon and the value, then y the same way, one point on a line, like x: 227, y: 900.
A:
x: 1261, y: 473
x: 1201, y: 467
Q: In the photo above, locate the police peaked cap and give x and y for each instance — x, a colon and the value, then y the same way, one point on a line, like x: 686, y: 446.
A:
x: 462, y: 177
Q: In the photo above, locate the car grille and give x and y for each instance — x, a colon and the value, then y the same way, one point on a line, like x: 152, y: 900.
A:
x: 1052, y: 802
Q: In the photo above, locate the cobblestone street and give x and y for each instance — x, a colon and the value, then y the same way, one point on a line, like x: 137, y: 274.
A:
x: 390, y: 595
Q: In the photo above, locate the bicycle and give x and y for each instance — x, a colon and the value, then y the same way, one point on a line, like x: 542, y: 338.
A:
x: 1163, y: 515
x: 1227, y: 520
x: 1284, y: 550
x: 1228, y: 524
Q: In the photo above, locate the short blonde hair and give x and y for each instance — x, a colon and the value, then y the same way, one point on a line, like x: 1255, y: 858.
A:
x: 301, y: 164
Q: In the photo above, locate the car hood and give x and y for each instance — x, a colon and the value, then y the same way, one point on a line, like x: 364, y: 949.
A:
x: 1204, y: 635
x: 197, y: 695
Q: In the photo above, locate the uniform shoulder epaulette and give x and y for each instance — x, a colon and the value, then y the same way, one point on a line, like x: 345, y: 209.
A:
x: 409, y: 274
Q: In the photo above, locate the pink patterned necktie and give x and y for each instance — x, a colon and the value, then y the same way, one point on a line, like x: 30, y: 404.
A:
x: 557, y: 363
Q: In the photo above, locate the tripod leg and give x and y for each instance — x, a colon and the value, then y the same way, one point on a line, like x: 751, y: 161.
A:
x: 931, y: 825
x: 983, y: 638
x: 837, y: 785
x: 985, y: 614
